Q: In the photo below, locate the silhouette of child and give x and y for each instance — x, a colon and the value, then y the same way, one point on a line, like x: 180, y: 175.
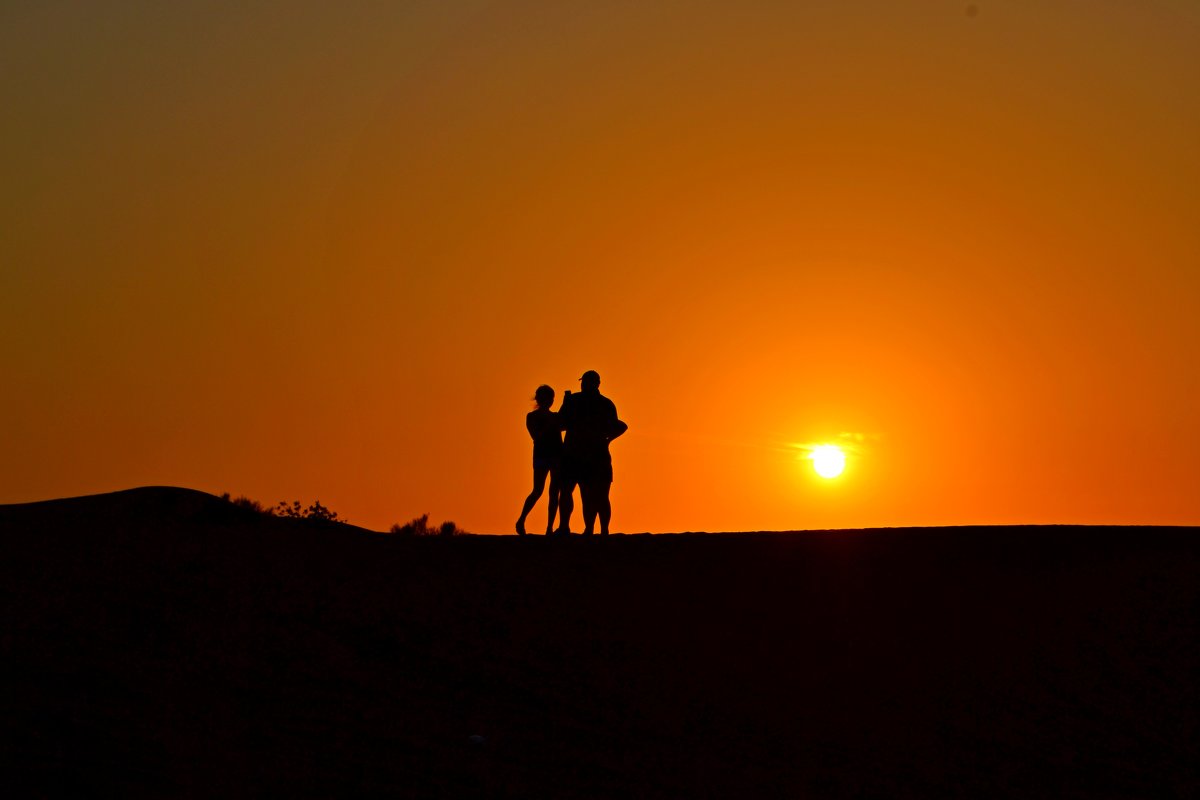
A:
x: 543, y: 427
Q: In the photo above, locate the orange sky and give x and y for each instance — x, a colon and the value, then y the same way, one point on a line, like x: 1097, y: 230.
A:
x: 327, y: 251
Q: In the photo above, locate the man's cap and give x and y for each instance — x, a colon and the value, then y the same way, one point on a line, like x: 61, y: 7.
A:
x: 591, y: 374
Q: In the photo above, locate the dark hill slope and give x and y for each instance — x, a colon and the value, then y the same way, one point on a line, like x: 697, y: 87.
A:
x: 162, y: 641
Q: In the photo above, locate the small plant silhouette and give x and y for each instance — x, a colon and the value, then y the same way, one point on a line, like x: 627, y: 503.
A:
x: 315, y: 511
x: 419, y: 526
x: 246, y: 503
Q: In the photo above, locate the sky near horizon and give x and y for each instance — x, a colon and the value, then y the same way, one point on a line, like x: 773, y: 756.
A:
x: 327, y: 251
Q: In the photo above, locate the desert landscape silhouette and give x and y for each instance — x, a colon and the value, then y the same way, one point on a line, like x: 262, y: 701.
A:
x: 163, y: 641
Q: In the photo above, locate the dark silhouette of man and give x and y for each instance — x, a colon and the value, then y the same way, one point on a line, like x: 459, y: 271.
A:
x: 590, y: 421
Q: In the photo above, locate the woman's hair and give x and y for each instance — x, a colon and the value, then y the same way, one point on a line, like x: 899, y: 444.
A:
x: 544, y: 396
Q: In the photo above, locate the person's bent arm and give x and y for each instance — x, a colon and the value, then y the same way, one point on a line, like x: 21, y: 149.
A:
x: 563, y: 418
x: 618, y: 430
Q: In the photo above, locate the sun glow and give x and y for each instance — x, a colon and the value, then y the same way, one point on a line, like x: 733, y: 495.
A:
x: 828, y: 461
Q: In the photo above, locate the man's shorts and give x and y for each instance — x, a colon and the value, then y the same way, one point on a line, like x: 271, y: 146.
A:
x: 583, y: 469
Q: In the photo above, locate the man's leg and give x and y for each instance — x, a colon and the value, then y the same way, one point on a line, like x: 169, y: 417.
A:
x: 587, y: 493
x: 566, y: 504
x: 605, y: 507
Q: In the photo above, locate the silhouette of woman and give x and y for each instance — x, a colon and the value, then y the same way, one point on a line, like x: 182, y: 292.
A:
x: 543, y: 427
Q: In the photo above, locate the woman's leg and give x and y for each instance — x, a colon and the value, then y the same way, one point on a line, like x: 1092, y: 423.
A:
x: 553, y: 499
x: 539, y: 484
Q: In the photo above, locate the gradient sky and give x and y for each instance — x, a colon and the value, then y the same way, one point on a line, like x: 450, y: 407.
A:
x: 308, y: 250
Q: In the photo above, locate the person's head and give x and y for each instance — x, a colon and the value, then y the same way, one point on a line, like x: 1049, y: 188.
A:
x: 590, y: 381
x: 544, y: 396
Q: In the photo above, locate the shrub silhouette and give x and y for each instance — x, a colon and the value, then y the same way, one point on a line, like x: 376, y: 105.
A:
x: 315, y: 511
x: 245, y: 502
x: 419, y: 526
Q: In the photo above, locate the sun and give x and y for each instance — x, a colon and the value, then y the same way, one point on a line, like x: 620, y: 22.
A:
x: 828, y: 460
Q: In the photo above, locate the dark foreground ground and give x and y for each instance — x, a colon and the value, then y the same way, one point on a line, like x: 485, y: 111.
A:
x: 163, y: 642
